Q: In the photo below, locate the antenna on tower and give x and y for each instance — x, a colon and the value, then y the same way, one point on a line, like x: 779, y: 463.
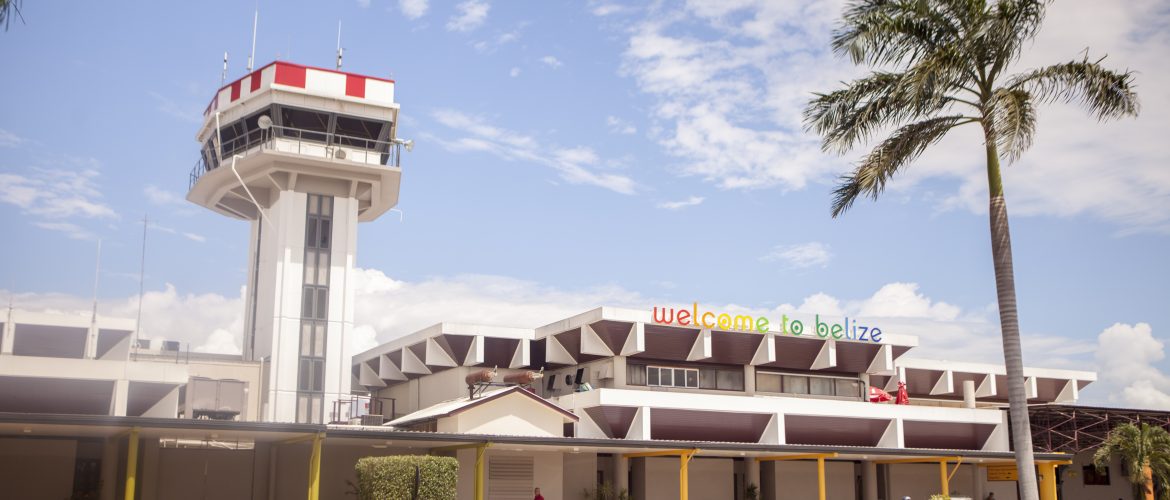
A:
x: 339, y: 49
x: 141, y: 283
x: 97, y: 273
x: 223, y: 76
x: 252, y: 56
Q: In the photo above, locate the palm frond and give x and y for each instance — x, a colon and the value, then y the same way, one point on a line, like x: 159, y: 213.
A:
x: 902, y: 147
x: 7, y: 8
x: 887, y: 31
x: 1104, y: 93
x: 1014, y: 121
x: 1009, y: 24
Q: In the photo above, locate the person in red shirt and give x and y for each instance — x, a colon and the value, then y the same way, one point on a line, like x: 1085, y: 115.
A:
x: 538, y: 495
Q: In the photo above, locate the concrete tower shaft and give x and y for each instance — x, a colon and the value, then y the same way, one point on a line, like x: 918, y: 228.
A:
x: 304, y: 154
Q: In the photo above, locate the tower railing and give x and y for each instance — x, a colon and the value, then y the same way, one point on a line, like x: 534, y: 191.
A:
x: 298, y: 141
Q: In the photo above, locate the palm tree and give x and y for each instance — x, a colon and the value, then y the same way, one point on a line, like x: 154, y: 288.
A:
x: 7, y: 8
x: 1144, y: 451
x: 941, y: 64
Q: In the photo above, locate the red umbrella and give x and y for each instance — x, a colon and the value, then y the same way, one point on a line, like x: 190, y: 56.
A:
x: 903, y: 396
x: 878, y: 396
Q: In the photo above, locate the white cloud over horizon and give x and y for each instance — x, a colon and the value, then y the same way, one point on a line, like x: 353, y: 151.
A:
x: 413, y: 9
x: 681, y: 204
x: 1126, y: 356
x: 800, y: 256
x: 58, y: 199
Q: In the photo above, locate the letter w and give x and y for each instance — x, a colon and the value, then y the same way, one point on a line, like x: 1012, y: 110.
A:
x: 664, y: 318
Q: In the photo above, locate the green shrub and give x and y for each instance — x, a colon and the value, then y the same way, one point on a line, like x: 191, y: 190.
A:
x: 382, y: 478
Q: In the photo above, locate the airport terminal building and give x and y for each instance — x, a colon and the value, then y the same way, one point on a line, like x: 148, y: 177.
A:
x: 663, y: 402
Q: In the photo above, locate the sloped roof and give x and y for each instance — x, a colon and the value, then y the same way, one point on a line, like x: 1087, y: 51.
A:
x: 459, y: 405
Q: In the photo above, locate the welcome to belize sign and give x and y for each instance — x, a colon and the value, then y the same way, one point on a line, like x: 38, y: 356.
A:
x: 698, y: 318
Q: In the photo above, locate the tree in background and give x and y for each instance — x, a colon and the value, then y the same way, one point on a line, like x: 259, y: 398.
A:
x: 1143, y: 451
x: 942, y: 64
x: 7, y: 8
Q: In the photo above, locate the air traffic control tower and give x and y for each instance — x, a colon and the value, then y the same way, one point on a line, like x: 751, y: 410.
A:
x: 303, y: 154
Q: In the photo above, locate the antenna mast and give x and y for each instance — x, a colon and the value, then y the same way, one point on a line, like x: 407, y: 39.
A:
x: 223, y: 76
x: 141, y: 283
x: 339, y: 49
x: 252, y: 57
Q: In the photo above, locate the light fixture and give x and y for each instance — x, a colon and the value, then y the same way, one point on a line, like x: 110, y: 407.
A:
x: 406, y: 143
x: 27, y: 430
x: 264, y: 122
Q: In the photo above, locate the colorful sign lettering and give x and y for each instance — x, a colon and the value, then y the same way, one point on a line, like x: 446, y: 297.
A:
x: 849, y: 329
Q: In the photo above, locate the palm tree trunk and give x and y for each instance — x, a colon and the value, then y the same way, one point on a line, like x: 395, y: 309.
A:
x: 1148, y: 483
x: 1005, y: 287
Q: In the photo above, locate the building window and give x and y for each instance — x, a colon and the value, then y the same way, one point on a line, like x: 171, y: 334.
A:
x: 662, y: 376
x: 1094, y: 478
x: 314, y: 309
x: 814, y: 385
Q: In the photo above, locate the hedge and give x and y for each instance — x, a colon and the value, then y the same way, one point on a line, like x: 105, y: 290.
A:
x: 393, y: 477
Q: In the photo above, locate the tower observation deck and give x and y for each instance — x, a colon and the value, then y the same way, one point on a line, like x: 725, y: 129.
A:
x: 304, y: 154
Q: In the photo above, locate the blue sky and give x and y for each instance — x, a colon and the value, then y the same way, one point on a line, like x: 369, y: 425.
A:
x: 573, y: 154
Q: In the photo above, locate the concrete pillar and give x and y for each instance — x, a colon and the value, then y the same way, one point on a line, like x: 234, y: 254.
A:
x: 979, y: 480
x: 749, y: 380
x: 119, y: 398
x: 869, y: 481
x: 751, y: 472
x: 968, y: 394
x: 91, y: 342
x: 619, y: 372
x: 148, y: 482
x: 7, y: 335
x: 109, y: 468
x: 621, y: 473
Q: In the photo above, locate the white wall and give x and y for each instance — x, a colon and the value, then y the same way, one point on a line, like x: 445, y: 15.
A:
x: 511, y: 415
x: 797, y: 480
x: 36, y: 469
x: 708, y: 478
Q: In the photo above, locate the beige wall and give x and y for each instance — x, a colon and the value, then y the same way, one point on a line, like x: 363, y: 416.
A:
x: 580, y: 474
x: 797, y: 480
x: 196, y: 474
x: 707, y: 478
x: 1074, y: 481
x: 35, y: 469
x: 922, y: 480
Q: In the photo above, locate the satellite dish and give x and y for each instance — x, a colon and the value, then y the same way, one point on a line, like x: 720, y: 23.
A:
x: 264, y: 122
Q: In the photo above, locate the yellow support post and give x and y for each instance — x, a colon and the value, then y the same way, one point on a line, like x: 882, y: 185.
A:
x: 683, y: 478
x: 821, y: 478
x: 1047, y: 480
x: 315, y: 467
x: 944, y: 478
x: 131, y: 463
x: 480, y: 451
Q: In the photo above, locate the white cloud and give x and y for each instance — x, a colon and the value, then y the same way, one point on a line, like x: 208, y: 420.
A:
x: 681, y: 204
x: 55, y: 199
x: 620, y: 126
x: 160, y: 196
x: 514, y: 72
x: 606, y: 9
x: 198, y: 238
x: 10, y: 140
x: 904, y: 300
x: 1126, y: 358
x: 552, y: 62
x: 729, y: 81
x: 363, y: 3
x: 191, y: 113
x: 801, y: 256
x: 413, y: 9
x: 471, y: 14
x: 492, y: 44
x: 574, y: 164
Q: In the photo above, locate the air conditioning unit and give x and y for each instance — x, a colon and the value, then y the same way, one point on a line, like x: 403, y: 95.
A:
x: 372, y: 420
x: 170, y: 345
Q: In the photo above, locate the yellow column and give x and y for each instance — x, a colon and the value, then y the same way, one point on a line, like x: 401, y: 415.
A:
x: 1047, y: 481
x: 479, y: 453
x: 821, y: 478
x: 315, y: 468
x: 944, y: 478
x: 684, y: 461
x: 131, y: 463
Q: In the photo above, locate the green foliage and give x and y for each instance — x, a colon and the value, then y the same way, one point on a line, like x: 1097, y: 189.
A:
x: 1138, y: 448
x: 752, y: 492
x: 606, y: 491
x: 939, y: 65
x: 384, y: 478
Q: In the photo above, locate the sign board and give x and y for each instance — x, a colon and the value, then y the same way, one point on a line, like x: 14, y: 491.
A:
x: 1002, y: 472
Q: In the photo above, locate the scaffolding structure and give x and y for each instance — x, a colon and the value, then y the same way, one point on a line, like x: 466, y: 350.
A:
x: 1072, y: 429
